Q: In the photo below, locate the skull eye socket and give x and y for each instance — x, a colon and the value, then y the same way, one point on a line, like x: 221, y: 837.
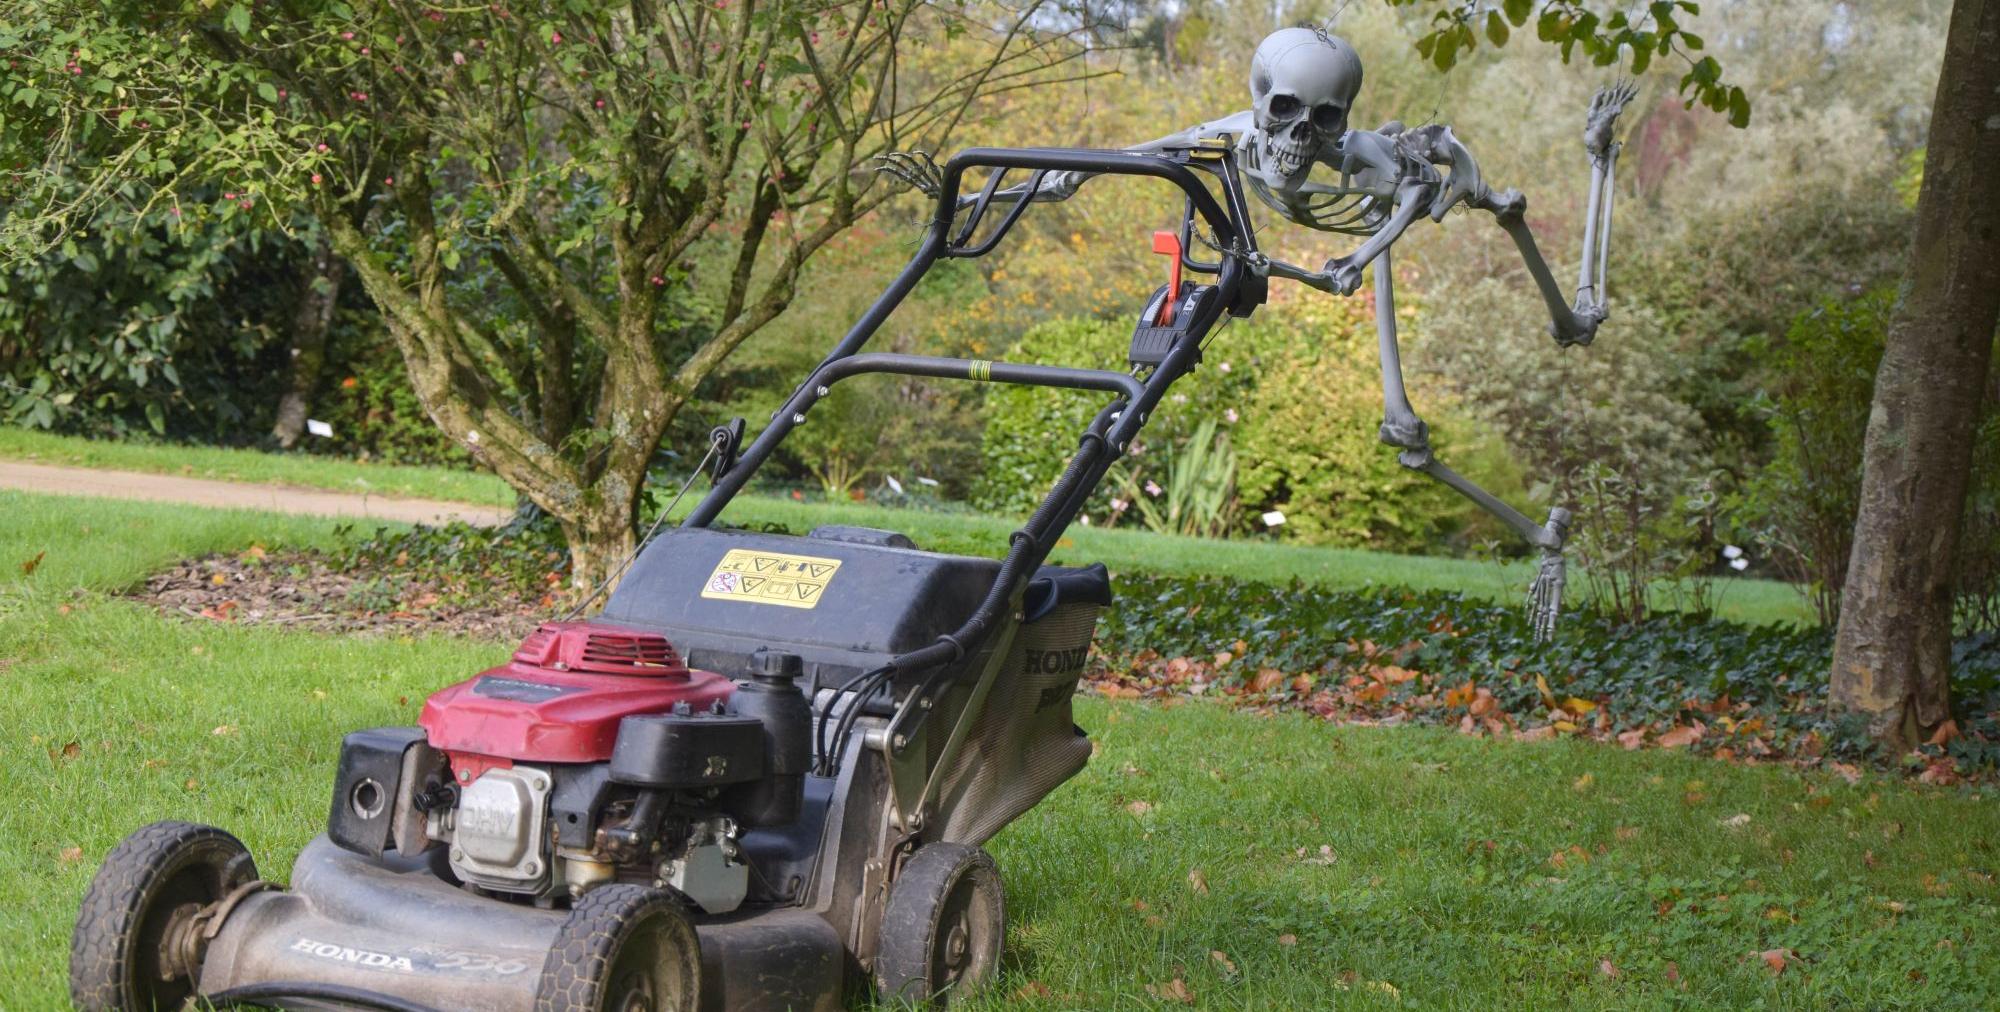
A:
x: 1329, y: 117
x: 1285, y: 106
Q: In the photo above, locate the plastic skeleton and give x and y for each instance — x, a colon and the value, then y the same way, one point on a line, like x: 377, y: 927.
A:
x: 1303, y: 82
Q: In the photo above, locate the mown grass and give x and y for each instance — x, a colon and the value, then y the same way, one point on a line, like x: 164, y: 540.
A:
x: 1762, y: 601
x: 1444, y: 881
x: 300, y: 470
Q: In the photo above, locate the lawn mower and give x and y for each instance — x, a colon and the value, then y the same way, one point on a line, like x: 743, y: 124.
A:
x: 760, y: 778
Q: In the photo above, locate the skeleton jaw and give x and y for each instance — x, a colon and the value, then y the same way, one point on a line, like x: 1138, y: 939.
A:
x: 1287, y: 152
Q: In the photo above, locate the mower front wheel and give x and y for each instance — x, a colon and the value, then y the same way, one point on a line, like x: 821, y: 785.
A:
x: 624, y: 948
x: 942, y: 930
x: 126, y: 953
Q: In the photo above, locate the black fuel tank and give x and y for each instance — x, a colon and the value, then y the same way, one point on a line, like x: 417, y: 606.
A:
x: 844, y: 606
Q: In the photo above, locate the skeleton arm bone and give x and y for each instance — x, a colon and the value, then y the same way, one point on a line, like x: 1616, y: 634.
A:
x: 1574, y: 324
x: 1412, y: 199
x: 1402, y: 428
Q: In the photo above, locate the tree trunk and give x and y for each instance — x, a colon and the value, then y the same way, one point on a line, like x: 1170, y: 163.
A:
x: 310, y: 325
x: 1892, y: 654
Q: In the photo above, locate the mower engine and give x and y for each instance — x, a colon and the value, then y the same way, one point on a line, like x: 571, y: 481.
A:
x: 595, y: 755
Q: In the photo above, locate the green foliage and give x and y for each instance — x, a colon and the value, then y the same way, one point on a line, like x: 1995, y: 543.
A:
x: 365, y: 396
x: 1297, y: 400
x: 1199, y: 497
x: 168, y: 327
x: 1801, y: 506
x: 1603, y: 38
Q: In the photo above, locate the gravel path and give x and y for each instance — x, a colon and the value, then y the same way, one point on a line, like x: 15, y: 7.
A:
x: 60, y: 480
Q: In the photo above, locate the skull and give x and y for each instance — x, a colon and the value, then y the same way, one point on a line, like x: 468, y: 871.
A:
x: 1303, y: 82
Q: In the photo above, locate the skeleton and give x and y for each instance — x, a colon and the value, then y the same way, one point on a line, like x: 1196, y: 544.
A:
x: 1303, y: 83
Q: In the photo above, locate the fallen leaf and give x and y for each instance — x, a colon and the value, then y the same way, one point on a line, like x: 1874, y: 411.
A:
x: 1608, y: 968
x: 1197, y: 881
x: 222, y: 730
x: 1674, y: 974
x: 1542, y: 686
x: 1223, y: 657
x: 1141, y: 906
x: 1627, y: 832
x: 69, y: 751
x: 1222, y: 960
x: 28, y: 568
x: 1943, y: 736
x: 1139, y: 807
x: 218, y: 579
x: 1173, y: 990
x: 1563, y: 857
x: 192, y: 784
x: 1482, y: 703
x: 1578, y: 706
x: 1582, y: 783
x: 1325, y: 856
x: 1288, y: 939
x: 1266, y: 680
x: 1847, y: 771
x: 70, y: 855
x: 1777, y: 959
x: 1679, y: 737
x: 1633, y: 739
x: 1031, y: 990
x: 1737, y: 821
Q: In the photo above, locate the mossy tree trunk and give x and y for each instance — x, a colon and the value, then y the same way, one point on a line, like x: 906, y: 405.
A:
x: 1892, y: 654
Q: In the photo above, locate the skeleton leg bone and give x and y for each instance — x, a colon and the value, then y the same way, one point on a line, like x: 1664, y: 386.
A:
x: 1402, y: 429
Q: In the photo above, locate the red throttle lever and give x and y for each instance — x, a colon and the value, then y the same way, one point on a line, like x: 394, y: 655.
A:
x: 1169, y: 242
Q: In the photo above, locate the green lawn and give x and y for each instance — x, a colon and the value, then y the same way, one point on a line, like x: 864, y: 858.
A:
x: 1744, y: 600
x: 1460, y: 873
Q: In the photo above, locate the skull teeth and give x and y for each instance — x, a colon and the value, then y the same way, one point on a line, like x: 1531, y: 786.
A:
x: 1288, y: 152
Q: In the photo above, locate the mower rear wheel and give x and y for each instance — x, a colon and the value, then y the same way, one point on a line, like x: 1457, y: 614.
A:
x: 125, y: 955
x: 624, y: 948
x: 944, y: 925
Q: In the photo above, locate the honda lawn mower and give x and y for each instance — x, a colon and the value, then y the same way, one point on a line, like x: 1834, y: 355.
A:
x: 759, y: 779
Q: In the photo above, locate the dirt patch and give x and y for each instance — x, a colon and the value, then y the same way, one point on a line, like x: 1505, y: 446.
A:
x: 301, y: 591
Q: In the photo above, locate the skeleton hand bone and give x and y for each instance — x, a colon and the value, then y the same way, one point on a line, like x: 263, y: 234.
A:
x: 916, y: 168
x: 1605, y: 106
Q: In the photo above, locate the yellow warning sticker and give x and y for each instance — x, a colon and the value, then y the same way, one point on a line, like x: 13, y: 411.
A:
x: 794, y: 581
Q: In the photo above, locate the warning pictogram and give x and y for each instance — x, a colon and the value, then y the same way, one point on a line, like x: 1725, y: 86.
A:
x: 794, y: 581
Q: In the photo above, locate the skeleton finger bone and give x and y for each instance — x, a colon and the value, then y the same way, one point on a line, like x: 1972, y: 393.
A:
x: 916, y: 168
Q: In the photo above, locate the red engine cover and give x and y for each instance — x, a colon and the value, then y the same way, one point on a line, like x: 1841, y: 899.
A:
x: 560, y: 699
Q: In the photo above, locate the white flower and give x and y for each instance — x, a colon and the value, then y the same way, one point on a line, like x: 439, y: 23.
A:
x: 1152, y: 488
x: 1229, y: 415
x: 894, y: 485
x: 1731, y: 552
x: 1273, y: 519
x: 1119, y: 505
x: 1180, y: 398
x: 932, y: 482
x: 1739, y: 564
x: 1086, y: 519
x: 1224, y: 367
